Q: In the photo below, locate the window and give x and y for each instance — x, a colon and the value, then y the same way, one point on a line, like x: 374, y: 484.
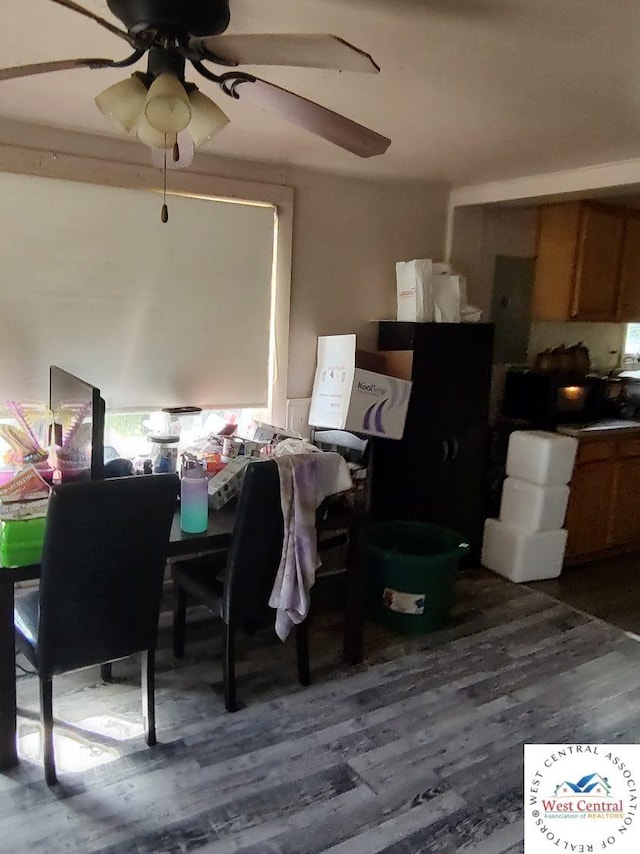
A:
x: 126, y: 433
x: 632, y: 343
x: 195, y: 312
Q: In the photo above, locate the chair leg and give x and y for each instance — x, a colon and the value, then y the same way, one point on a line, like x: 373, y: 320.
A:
x: 105, y: 672
x: 179, y: 619
x: 229, y: 669
x: 302, y: 652
x: 46, y: 711
x: 148, y: 695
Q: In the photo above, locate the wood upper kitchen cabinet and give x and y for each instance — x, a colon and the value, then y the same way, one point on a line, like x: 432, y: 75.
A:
x: 628, y: 307
x: 580, y: 247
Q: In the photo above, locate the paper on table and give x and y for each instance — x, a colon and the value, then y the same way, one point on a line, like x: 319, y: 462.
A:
x: 26, y: 485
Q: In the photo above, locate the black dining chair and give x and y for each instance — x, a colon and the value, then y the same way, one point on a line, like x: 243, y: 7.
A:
x: 236, y: 585
x: 103, y: 564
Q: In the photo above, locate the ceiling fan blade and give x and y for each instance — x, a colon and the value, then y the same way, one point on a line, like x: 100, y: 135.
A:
x: 75, y: 7
x: 304, y: 51
x: 46, y: 67
x: 483, y: 9
x: 321, y: 121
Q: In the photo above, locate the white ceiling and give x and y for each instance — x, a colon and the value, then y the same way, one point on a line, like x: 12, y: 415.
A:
x: 470, y: 90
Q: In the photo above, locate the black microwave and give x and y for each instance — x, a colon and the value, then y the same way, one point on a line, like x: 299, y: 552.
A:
x: 551, y: 399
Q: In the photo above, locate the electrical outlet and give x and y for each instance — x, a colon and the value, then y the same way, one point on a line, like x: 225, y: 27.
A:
x: 298, y: 415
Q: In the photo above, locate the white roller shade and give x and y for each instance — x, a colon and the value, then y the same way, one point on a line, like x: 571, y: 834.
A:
x: 154, y: 315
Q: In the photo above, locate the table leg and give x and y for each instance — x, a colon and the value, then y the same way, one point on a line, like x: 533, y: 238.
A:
x: 353, y: 647
x: 8, y: 752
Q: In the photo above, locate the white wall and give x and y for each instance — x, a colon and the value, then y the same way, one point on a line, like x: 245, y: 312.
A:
x: 478, y: 234
x: 482, y: 232
x: 506, y: 210
x: 347, y: 232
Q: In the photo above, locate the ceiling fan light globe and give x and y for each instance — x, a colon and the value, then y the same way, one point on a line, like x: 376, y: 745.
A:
x: 123, y: 102
x: 167, y: 107
x: 207, y: 119
x: 152, y: 137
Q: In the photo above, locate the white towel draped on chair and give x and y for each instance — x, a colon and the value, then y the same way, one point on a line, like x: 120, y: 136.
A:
x: 305, y: 481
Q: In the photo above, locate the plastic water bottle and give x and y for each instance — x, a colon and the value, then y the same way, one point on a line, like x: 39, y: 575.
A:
x: 194, y: 507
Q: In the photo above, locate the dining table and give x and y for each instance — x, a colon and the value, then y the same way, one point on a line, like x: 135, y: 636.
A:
x: 342, y: 529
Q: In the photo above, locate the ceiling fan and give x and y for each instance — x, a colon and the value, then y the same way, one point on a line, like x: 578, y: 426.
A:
x: 159, y: 103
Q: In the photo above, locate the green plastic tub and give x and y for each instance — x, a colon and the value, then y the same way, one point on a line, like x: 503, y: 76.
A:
x: 411, y: 574
x: 21, y: 541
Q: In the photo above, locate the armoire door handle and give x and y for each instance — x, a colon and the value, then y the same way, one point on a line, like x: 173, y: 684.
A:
x: 456, y: 449
x: 445, y: 450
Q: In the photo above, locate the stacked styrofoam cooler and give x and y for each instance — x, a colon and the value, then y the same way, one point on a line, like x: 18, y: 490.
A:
x: 527, y: 542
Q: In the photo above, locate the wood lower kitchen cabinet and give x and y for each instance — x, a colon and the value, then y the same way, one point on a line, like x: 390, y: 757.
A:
x: 625, y: 520
x: 604, y: 505
x: 588, y: 525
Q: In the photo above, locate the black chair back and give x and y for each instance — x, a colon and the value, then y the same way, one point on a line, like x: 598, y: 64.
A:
x: 103, y: 563
x: 256, y: 545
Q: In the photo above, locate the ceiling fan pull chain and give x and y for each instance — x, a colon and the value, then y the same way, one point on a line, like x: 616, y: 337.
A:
x: 164, y: 213
x: 176, y: 152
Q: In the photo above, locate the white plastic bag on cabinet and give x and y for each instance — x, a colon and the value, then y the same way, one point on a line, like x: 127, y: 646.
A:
x: 414, y: 290
x: 446, y: 299
x: 468, y: 313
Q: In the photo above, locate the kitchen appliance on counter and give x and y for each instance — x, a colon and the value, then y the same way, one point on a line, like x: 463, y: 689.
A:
x: 546, y: 400
x: 565, y: 360
x: 621, y: 397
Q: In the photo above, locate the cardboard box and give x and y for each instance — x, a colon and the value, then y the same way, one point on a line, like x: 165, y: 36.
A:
x: 522, y: 555
x: 533, y: 508
x: 25, y: 496
x: 348, y: 395
x: 226, y: 484
x: 540, y: 457
x: 265, y: 433
x: 27, y: 485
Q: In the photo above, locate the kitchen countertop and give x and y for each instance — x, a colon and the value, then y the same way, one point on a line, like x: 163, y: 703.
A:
x: 599, y: 429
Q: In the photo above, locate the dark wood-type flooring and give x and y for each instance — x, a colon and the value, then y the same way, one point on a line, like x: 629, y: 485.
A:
x: 607, y: 588
x: 420, y: 749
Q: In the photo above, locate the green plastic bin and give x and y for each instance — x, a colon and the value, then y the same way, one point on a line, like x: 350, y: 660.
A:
x: 21, y: 541
x: 411, y: 574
